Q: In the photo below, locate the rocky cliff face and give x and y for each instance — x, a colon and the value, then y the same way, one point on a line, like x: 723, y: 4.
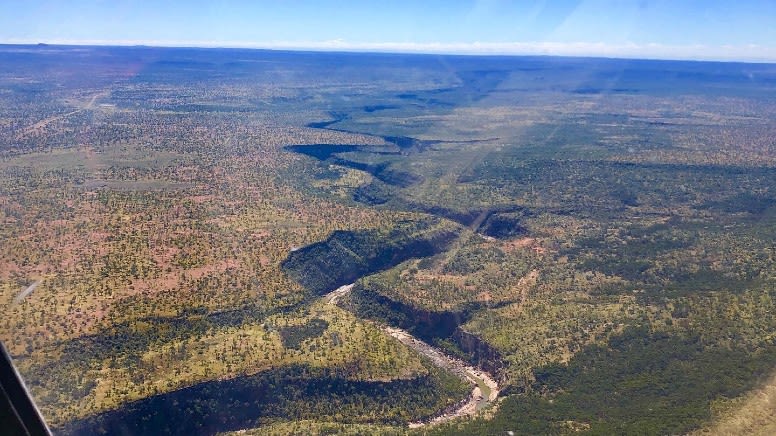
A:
x: 348, y: 255
x: 431, y: 326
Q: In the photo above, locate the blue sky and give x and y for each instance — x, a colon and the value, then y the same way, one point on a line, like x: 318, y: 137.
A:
x: 710, y: 29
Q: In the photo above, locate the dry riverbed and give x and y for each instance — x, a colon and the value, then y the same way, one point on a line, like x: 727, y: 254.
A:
x: 485, y: 389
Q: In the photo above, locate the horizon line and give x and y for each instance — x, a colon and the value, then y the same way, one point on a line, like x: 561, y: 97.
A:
x: 749, y: 53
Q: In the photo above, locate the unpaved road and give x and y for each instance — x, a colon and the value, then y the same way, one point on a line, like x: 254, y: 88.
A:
x: 485, y: 389
x: 42, y: 123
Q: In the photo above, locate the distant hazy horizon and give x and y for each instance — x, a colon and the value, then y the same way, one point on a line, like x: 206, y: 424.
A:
x: 712, y: 30
x: 398, y: 49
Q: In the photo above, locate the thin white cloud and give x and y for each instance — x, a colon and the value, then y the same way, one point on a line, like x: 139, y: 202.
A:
x: 749, y: 53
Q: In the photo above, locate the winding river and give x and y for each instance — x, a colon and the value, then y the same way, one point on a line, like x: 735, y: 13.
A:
x: 485, y: 389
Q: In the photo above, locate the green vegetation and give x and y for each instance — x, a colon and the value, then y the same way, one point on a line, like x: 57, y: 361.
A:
x: 636, y: 383
x: 292, y: 336
x: 598, y: 237
x: 291, y: 392
x: 346, y: 256
x: 316, y: 428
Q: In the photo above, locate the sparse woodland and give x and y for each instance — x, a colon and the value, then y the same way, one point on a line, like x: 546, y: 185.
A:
x: 609, y: 254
